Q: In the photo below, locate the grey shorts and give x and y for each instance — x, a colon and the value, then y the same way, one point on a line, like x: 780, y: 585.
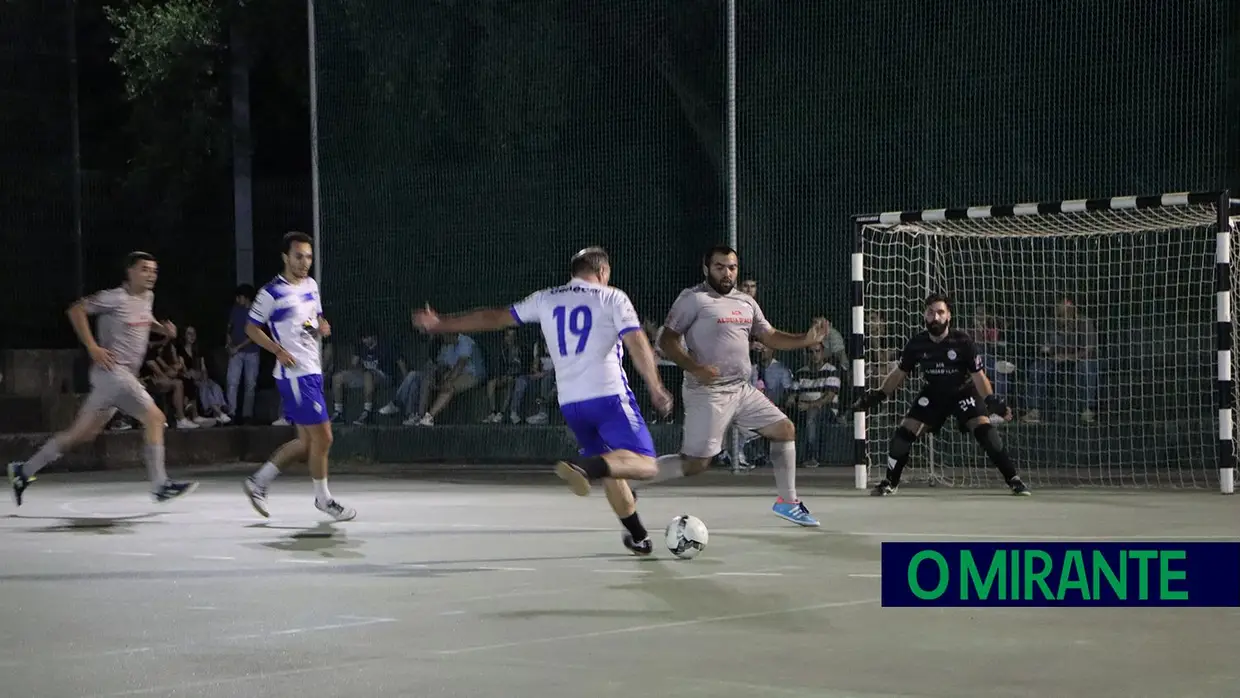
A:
x: 117, y: 390
x: 709, y: 414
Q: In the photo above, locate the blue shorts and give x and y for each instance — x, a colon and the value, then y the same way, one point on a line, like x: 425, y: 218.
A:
x: 303, y: 400
x: 612, y: 423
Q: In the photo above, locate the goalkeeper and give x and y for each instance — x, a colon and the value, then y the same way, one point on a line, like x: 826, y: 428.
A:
x: 956, y: 385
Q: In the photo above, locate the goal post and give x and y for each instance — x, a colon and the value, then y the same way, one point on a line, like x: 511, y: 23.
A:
x: 1106, y: 325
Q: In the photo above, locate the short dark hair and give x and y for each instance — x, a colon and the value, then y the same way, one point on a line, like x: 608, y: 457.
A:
x: 939, y: 298
x: 136, y: 256
x: 591, y: 260
x: 293, y: 237
x: 717, y: 249
x: 245, y: 290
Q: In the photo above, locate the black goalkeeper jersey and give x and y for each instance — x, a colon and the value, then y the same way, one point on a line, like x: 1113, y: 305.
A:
x: 947, y: 364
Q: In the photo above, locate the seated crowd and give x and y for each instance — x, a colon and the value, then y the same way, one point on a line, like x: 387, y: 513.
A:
x: 507, y: 378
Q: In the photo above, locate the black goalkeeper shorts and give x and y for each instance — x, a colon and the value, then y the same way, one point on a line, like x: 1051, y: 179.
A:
x: 933, y: 407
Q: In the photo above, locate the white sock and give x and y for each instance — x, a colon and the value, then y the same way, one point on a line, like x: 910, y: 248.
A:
x: 45, y: 456
x: 155, y: 465
x: 266, y: 474
x: 784, y: 462
x: 671, y: 467
x: 321, y: 493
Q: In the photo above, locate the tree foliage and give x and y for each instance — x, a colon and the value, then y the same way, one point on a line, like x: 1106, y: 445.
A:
x: 170, y: 54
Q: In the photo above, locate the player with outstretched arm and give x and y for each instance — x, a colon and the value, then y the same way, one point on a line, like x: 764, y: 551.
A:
x: 585, y: 322
x: 125, y: 326
x: 716, y: 323
x: 290, y: 308
x: 955, y: 382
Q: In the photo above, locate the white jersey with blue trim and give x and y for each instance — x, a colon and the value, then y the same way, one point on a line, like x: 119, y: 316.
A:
x: 583, y: 323
x: 291, y: 313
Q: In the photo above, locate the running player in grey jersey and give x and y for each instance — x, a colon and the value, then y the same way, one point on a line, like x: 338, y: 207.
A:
x: 125, y: 326
x: 716, y: 322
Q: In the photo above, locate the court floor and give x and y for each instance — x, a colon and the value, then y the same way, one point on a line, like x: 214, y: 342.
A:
x: 476, y: 588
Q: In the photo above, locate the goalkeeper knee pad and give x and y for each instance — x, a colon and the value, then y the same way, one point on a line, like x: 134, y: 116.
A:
x: 902, y: 442
x: 988, y: 438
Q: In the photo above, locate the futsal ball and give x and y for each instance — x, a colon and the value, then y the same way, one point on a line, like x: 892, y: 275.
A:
x: 687, y: 536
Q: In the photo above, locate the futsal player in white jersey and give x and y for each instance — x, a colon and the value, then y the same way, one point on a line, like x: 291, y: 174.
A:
x: 289, y: 307
x: 585, y: 322
x: 707, y: 333
x: 125, y: 323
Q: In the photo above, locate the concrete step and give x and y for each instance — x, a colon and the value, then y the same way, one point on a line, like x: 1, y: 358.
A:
x: 122, y: 451
x: 36, y: 372
x: 23, y: 413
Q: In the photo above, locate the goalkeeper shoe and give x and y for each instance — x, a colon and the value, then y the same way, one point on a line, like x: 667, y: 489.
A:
x: 884, y: 489
x: 1019, y: 488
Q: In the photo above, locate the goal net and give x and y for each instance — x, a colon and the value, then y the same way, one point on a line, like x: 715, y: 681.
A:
x: 1104, y: 324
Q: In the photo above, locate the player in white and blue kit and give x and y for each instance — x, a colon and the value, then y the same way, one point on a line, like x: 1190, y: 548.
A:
x: 585, y: 323
x: 290, y: 309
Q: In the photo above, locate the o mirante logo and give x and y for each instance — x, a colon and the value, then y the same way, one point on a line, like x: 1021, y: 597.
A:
x: 1061, y: 574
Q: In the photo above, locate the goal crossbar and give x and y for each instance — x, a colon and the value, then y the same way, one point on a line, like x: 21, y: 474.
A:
x: 1121, y: 214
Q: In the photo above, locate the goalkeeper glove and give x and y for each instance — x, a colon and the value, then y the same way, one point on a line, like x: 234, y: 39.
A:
x: 869, y: 400
x: 995, y: 405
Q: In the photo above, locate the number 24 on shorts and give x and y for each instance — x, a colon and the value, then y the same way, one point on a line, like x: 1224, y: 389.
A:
x: 576, y: 322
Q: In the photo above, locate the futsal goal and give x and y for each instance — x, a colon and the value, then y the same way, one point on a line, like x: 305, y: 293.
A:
x: 1105, y: 324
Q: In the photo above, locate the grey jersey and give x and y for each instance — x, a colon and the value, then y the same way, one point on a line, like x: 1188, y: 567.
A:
x: 717, y: 331
x: 124, y: 324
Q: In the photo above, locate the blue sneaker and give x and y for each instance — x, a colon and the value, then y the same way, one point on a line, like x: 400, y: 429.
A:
x: 172, y: 489
x: 794, y: 512
x: 18, y: 480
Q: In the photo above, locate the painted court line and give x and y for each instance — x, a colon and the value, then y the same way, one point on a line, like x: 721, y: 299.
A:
x: 508, y: 569
x: 866, y: 576
x: 296, y: 561
x: 657, y: 626
x: 749, y: 574
x: 220, y: 558
x: 125, y: 554
x: 363, y: 622
x: 266, y: 675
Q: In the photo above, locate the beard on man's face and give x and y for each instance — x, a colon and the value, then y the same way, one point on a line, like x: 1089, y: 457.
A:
x: 936, y: 327
x: 723, y: 286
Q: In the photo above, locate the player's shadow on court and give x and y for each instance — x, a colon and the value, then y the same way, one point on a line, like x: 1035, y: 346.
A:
x: 324, y: 539
x: 98, y: 525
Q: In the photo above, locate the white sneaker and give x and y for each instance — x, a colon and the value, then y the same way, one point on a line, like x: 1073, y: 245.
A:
x: 257, y: 494
x: 540, y: 418
x: 426, y: 421
x: 412, y: 420
x: 389, y: 409
x: 224, y: 419
x: 333, y: 509
x: 186, y: 424
x: 281, y: 422
x: 514, y: 418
